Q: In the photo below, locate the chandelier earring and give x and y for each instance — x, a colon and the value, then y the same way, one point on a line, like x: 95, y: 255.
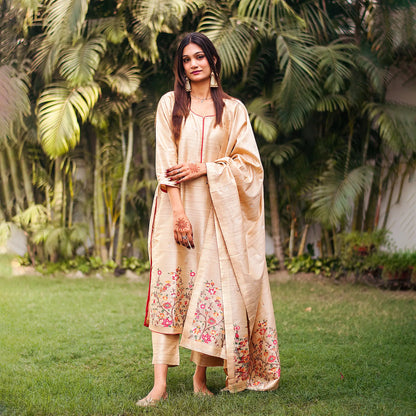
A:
x: 213, y: 81
x: 187, y: 85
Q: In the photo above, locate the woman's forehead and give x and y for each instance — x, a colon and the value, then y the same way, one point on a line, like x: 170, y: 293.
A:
x: 191, y: 49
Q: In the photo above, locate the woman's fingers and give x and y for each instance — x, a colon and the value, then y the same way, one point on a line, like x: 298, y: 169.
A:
x: 177, y: 237
x: 183, y: 232
x: 179, y: 173
x: 191, y: 239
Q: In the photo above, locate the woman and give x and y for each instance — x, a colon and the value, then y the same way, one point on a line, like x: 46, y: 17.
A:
x: 209, y: 277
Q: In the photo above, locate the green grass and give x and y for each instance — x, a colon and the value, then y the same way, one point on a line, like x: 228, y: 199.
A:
x: 78, y: 347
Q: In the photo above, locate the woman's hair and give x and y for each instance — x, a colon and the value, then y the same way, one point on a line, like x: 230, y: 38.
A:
x: 183, y: 98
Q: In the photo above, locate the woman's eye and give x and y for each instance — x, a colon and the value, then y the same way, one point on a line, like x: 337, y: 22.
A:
x: 200, y: 56
x: 185, y: 59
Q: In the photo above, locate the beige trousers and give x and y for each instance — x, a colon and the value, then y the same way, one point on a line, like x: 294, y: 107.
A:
x: 166, y: 351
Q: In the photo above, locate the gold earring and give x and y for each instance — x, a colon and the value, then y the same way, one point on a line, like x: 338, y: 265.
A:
x: 187, y: 85
x: 213, y: 82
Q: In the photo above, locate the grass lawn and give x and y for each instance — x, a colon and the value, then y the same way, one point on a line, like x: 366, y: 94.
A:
x: 78, y: 347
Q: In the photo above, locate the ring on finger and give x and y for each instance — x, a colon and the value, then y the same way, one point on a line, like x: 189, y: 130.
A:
x: 184, y: 237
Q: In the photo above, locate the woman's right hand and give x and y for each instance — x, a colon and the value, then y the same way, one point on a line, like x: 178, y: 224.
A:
x: 182, y: 230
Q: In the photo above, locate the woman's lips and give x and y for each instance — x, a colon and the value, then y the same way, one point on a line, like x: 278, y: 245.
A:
x: 196, y: 72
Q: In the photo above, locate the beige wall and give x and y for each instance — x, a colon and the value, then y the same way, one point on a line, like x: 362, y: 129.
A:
x: 402, y: 218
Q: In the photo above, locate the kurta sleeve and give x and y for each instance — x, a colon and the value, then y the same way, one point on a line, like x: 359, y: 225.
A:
x: 166, y: 149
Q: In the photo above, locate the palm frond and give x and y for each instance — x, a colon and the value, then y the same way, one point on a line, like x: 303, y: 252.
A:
x: 391, y: 28
x: 46, y: 56
x: 113, y: 28
x: 331, y: 103
x: 262, y: 119
x: 13, y: 97
x: 79, y: 63
x: 333, y: 196
x: 269, y: 12
x: 277, y: 154
x: 78, y: 233
x: 58, y: 109
x: 335, y: 65
x: 146, y: 118
x: 317, y: 22
x: 64, y: 19
x: 32, y: 218
x: 149, y: 18
x: 395, y: 123
x: 376, y: 74
x: 298, y: 90
x: 234, y: 38
x: 5, y: 231
x: 126, y: 80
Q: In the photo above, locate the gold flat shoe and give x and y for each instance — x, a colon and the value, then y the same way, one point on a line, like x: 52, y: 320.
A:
x: 149, y: 402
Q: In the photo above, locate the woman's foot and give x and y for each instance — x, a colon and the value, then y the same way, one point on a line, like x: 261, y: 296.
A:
x: 200, y: 382
x: 152, y: 399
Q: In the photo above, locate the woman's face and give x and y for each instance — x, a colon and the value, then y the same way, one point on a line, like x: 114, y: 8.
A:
x: 195, y: 63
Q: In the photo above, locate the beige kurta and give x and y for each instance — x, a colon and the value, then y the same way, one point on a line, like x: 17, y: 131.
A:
x: 217, y: 295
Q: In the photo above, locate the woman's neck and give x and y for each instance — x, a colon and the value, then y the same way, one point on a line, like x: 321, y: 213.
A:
x: 201, y: 91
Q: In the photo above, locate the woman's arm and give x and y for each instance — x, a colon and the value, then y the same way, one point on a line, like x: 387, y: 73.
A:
x: 182, y: 228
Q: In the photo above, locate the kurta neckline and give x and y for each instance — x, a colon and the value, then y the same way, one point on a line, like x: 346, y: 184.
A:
x: 199, y: 115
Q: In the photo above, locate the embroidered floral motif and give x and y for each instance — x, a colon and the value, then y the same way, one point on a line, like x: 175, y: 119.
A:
x: 241, y: 354
x: 208, y: 323
x: 170, y: 299
x: 259, y: 362
x: 265, y: 353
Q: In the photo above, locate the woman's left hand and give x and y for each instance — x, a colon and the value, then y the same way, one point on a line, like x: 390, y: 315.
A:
x: 186, y: 172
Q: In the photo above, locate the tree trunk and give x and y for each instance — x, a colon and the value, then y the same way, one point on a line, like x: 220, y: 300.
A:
x: 99, y: 214
x: 329, y: 251
x: 386, y: 214
x: 303, y: 240
x: 358, y: 215
x: 5, y: 185
x: 370, y: 213
x: 127, y: 163
x: 292, y: 237
x: 146, y: 170
x: 58, y: 189
x: 275, y: 219
x: 11, y: 155
x: 71, y: 198
x: 27, y: 183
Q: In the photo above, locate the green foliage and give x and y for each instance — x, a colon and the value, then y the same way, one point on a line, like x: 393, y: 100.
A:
x: 272, y: 263
x: 233, y: 36
x: 64, y: 19
x: 59, y: 107
x: 395, y: 263
x: 136, y: 265
x: 79, y: 63
x: 357, y: 249
x: 13, y: 96
x: 334, y: 192
x: 88, y: 265
x: 307, y: 264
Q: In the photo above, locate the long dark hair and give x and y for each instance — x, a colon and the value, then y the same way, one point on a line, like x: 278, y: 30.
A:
x: 183, y: 98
